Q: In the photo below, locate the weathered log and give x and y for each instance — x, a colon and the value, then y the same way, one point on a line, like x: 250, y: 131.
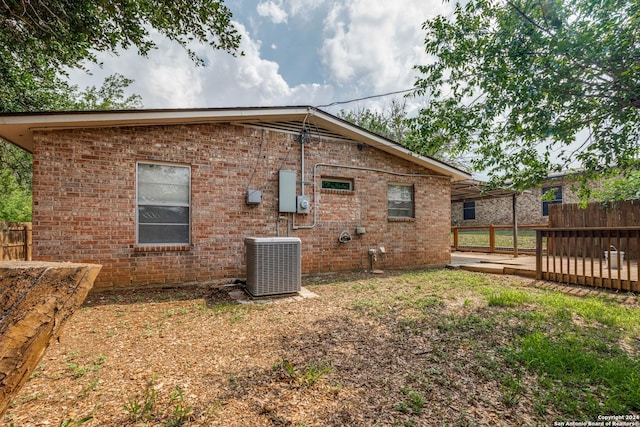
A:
x: 36, y: 299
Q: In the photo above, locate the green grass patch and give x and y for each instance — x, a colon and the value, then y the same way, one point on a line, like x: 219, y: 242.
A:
x: 606, y: 311
x: 508, y: 298
x: 572, y: 344
x: 306, y: 376
x: 232, y: 310
x: 583, y: 372
x: 413, y: 403
x: 370, y: 307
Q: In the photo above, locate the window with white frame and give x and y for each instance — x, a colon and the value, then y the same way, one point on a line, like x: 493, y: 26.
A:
x: 163, y: 204
x: 400, y: 201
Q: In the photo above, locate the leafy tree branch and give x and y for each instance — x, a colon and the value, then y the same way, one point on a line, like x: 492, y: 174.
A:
x: 521, y: 82
x: 39, y: 38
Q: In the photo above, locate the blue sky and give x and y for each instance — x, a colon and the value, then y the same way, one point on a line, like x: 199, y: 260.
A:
x: 297, y: 52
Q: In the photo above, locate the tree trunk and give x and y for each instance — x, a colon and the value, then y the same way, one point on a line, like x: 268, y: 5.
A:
x: 36, y: 299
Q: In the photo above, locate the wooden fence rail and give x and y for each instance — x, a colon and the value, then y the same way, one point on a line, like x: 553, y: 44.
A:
x: 490, y: 239
x: 599, y: 257
x: 15, y: 241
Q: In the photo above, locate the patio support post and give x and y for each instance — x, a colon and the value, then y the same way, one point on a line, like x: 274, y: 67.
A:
x: 455, y: 237
x: 28, y: 233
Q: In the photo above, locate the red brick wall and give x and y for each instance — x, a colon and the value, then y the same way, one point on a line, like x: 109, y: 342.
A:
x: 84, y: 209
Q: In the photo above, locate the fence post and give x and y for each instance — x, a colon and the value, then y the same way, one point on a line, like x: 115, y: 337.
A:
x: 28, y: 236
x: 538, y: 254
x: 515, y: 225
x: 492, y: 239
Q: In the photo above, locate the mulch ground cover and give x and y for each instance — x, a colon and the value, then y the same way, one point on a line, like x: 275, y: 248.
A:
x: 370, y: 350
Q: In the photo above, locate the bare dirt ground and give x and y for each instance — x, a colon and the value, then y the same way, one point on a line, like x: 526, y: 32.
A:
x: 365, y: 352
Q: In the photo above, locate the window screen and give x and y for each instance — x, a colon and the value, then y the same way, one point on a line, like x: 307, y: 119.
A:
x: 400, y: 201
x: 163, y: 198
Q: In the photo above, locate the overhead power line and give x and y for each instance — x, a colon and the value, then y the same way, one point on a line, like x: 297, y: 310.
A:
x: 366, y: 97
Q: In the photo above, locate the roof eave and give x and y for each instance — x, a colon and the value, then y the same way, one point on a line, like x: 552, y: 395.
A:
x: 18, y: 128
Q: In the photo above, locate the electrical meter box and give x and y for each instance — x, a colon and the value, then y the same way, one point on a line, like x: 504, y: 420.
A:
x: 304, y: 205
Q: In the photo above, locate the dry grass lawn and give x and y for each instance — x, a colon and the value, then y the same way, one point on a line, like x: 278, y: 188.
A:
x: 407, y: 349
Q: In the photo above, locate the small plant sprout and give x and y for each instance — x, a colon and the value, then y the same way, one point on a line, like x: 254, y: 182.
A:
x: 140, y: 408
x: 307, y: 376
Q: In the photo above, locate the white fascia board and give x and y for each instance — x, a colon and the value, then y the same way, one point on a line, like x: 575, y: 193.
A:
x: 18, y: 128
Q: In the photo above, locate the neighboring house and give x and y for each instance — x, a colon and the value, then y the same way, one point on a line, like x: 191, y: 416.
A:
x: 163, y: 197
x: 531, y: 209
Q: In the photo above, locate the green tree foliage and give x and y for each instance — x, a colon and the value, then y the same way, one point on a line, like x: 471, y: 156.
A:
x: 41, y: 38
x: 24, y: 90
x: 395, y: 124
x: 390, y: 123
x: 110, y: 96
x: 16, y: 164
x: 617, y: 189
x: 15, y: 183
x: 534, y: 86
x: 68, y: 32
x: 15, y: 203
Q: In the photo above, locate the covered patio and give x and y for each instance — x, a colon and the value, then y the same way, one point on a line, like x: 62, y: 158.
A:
x: 472, y: 190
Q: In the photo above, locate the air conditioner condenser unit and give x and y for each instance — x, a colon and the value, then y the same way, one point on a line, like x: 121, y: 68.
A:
x: 274, y: 265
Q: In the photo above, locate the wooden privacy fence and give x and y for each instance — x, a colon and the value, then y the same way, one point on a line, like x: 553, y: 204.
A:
x: 611, y: 216
x: 15, y: 241
x: 615, y: 214
x: 605, y: 257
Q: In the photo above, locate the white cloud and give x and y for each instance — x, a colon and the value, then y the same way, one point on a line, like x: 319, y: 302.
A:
x: 376, y: 44
x: 369, y: 47
x: 169, y: 79
x: 304, y: 9
x: 273, y: 11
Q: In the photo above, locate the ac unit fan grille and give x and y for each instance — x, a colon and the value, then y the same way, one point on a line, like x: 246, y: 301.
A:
x: 273, y: 265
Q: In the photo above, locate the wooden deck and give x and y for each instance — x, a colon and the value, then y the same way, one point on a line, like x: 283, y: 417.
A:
x: 524, y: 265
x: 582, y: 271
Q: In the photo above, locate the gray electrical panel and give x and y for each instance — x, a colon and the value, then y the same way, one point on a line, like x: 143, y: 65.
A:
x: 287, y: 191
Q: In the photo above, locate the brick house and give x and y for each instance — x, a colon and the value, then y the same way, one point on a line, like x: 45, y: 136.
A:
x: 164, y: 197
x: 484, y: 210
